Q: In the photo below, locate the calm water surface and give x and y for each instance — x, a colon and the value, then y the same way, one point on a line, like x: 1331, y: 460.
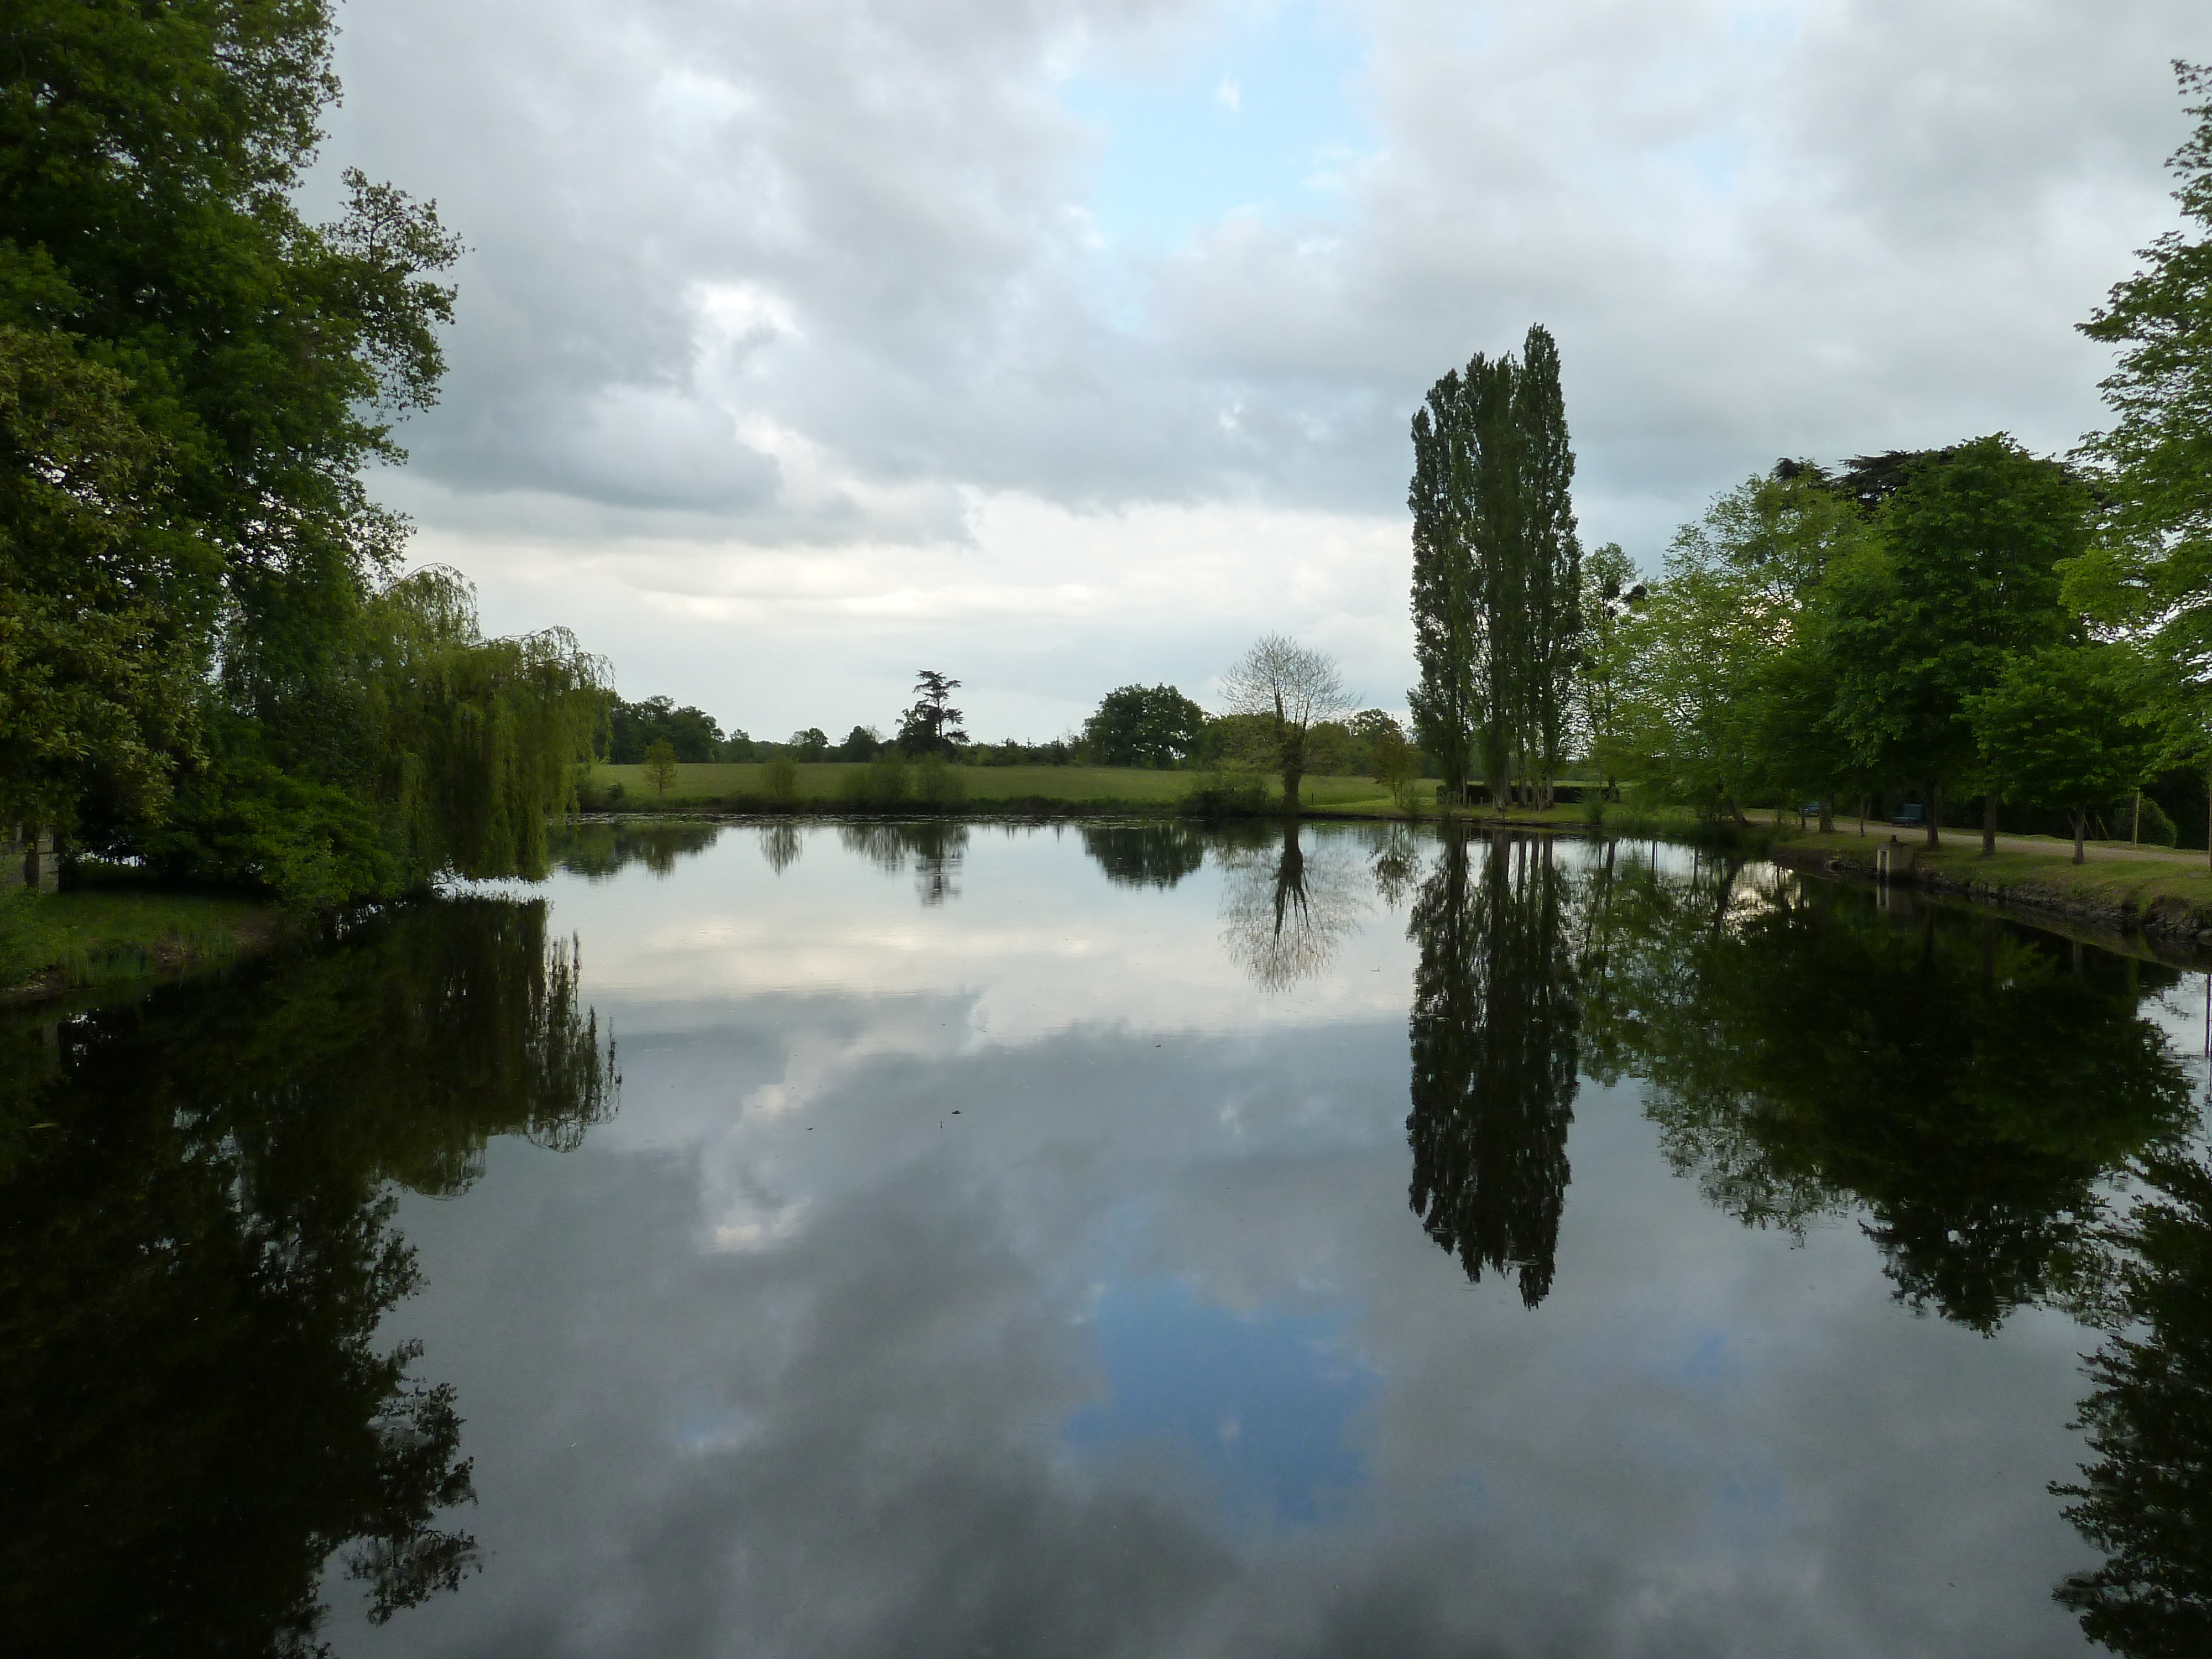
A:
x: 1117, y: 1241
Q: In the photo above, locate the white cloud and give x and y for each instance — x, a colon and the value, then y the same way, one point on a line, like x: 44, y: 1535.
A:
x: 820, y: 283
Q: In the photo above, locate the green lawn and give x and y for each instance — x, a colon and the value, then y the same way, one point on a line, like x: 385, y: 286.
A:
x: 100, y: 935
x: 2123, y: 887
x: 823, y: 787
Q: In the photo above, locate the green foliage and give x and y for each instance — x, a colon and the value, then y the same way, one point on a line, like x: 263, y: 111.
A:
x: 1143, y: 726
x: 660, y: 765
x: 881, y: 783
x: 939, y: 783
x: 2061, y: 727
x: 241, y: 822
x: 1392, y: 760
x: 930, y: 723
x: 2155, y: 565
x: 691, y: 734
x: 1965, y: 580
x: 193, y: 381
x: 1718, y: 682
x: 781, y: 776
x: 100, y: 663
x: 1496, y: 590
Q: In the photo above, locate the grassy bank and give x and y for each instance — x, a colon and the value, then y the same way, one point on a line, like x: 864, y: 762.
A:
x: 50, y: 943
x: 2170, y: 898
x: 832, y: 786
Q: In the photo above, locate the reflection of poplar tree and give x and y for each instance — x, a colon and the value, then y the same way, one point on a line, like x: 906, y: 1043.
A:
x: 196, y: 1252
x: 1494, y: 1040
x: 2148, y: 1502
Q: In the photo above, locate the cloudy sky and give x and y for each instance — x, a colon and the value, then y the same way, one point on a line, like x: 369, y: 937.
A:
x: 1060, y: 343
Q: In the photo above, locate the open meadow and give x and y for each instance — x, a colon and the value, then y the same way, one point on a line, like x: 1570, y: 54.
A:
x: 832, y: 786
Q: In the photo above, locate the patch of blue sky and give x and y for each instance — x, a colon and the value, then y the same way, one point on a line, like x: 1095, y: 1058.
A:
x: 1254, y: 119
x: 1263, y: 1403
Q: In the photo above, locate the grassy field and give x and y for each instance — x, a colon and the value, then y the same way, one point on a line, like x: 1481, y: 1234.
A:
x: 824, y: 788
x: 52, y: 942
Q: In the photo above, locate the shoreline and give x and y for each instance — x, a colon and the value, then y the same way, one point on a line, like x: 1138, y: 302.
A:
x: 2117, y: 899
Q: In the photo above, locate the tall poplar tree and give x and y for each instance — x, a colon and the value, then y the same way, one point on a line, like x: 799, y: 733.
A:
x: 1496, y: 569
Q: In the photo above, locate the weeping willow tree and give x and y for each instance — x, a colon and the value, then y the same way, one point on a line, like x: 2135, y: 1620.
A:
x: 479, y: 741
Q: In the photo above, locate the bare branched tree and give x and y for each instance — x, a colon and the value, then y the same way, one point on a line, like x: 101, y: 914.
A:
x: 1295, y: 688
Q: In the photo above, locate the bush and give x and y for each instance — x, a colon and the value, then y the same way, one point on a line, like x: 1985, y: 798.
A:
x: 881, y: 783
x: 1224, y: 795
x: 241, y: 822
x: 939, y: 784
x: 781, y: 775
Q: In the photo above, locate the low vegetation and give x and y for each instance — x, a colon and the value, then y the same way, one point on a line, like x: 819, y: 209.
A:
x: 105, y: 935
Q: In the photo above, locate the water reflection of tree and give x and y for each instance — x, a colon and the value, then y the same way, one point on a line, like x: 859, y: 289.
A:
x: 1284, y: 910
x: 2147, y: 1503
x: 599, y: 851
x: 935, y: 850
x: 1968, y: 1083
x: 196, y: 1248
x: 780, y: 844
x: 1494, y: 1038
x: 1144, y: 854
x: 1394, y: 859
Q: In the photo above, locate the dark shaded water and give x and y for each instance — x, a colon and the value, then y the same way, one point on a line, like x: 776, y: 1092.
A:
x: 1117, y: 1241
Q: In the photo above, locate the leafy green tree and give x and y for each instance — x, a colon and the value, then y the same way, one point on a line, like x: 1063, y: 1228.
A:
x: 1288, y: 689
x: 1392, y: 760
x: 99, y: 660
x: 2062, y: 726
x: 1720, y: 676
x: 230, y: 373
x: 861, y: 745
x: 1611, y: 594
x: 1497, y: 586
x: 661, y: 766
x: 1143, y: 726
x: 2151, y: 570
x: 147, y: 168
x: 632, y: 727
x: 1966, y: 581
x: 931, y: 724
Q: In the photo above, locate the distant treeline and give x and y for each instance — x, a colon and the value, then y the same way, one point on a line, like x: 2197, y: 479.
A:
x: 1154, y: 726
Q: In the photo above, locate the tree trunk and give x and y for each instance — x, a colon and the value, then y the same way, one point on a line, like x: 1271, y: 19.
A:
x: 1292, y: 775
x: 1935, y: 811
x: 1989, y: 825
x: 1829, y: 817
x: 2134, y: 832
x: 1735, y: 809
x: 2081, y: 822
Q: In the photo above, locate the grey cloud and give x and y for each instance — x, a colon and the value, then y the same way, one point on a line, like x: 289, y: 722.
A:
x: 807, y: 272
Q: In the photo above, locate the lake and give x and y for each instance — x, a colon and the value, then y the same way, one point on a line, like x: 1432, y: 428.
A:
x: 937, y: 1239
